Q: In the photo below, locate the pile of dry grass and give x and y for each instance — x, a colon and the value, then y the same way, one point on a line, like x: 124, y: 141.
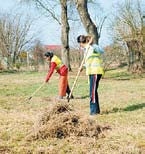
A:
x: 62, y: 121
x: 4, y: 149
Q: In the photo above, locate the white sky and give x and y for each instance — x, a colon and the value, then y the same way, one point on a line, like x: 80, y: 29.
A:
x: 49, y: 32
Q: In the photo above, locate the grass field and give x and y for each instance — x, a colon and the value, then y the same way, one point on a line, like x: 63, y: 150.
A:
x: 122, y: 103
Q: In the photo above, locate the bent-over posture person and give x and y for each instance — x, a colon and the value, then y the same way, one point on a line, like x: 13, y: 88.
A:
x: 62, y: 70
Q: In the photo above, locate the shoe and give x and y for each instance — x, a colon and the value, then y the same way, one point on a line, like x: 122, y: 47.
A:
x: 59, y: 97
x: 93, y: 114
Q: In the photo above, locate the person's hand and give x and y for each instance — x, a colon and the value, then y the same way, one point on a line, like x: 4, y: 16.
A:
x: 90, y: 41
x: 46, y: 81
x: 81, y: 69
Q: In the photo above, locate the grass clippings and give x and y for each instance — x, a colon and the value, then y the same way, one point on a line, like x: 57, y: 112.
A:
x: 62, y: 121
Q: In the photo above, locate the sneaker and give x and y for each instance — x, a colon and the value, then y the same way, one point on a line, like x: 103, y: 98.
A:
x: 59, y: 97
x: 93, y: 114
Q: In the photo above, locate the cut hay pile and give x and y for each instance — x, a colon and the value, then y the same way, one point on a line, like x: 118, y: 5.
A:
x: 61, y: 121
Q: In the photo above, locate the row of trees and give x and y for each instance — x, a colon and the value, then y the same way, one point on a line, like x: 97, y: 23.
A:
x: 14, y: 37
x: 48, y: 6
x: 127, y: 27
x: 128, y: 31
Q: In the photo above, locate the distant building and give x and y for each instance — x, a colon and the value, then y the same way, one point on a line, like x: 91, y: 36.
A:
x: 53, y: 47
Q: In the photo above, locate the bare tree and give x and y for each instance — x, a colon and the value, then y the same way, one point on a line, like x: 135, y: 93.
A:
x: 48, y: 8
x: 95, y: 16
x: 13, y: 36
x: 144, y: 41
x: 86, y: 19
x: 65, y: 33
x: 128, y: 28
x: 5, y: 39
x: 114, y: 56
x: 38, y: 55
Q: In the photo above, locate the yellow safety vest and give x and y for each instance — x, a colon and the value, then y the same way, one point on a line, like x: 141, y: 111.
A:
x: 94, y: 65
x: 57, y: 61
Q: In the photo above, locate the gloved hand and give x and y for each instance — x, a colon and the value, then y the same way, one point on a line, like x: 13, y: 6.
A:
x: 81, y: 69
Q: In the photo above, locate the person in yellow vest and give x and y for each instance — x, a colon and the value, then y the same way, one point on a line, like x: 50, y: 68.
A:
x: 62, y: 70
x: 94, y: 69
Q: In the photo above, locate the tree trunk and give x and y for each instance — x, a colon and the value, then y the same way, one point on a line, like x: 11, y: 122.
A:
x: 65, y: 34
x: 14, y: 57
x: 144, y: 45
x: 135, y: 57
x: 90, y: 27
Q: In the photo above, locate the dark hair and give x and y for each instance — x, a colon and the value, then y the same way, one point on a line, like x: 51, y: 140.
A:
x: 81, y: 39
x: 49, y: 54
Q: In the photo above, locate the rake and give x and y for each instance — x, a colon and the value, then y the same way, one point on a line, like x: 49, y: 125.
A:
x: 35, y: 91
x: 78, y: 73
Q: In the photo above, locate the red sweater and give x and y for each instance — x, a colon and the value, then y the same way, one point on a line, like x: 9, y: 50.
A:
x: 56, y: 64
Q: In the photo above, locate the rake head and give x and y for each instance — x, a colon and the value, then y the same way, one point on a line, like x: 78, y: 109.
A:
x: 29, y: 97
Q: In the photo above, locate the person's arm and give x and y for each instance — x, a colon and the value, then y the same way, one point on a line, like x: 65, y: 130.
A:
x: 52, y: 68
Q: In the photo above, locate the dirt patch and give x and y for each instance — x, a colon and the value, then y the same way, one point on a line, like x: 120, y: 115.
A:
x: 61, y: 121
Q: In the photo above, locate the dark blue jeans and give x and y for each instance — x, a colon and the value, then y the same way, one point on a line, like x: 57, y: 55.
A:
x: 94, y: 99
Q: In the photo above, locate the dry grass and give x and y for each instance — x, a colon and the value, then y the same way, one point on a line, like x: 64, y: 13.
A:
x: 122, y: 105
x: 61, y: 121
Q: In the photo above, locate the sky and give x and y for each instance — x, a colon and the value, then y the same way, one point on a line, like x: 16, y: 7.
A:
x: 49, y: 32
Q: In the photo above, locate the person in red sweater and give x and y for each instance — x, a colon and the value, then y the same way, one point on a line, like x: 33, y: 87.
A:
x: 62, y: 70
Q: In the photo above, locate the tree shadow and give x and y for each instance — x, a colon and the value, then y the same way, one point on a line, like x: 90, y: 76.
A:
x: 115, y: 68
x: 127, y: 109
x: 82, y: 97
x: 134, y: 107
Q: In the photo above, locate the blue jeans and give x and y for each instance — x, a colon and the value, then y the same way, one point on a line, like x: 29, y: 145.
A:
x: 94, y: 99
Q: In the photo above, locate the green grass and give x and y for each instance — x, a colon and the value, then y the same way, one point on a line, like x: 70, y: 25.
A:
x: 122, y: 103
x: 122, y: 74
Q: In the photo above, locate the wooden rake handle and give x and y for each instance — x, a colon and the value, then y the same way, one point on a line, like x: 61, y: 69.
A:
x: 77, y: 76
x: 36, y: 91
x: 80, y: 68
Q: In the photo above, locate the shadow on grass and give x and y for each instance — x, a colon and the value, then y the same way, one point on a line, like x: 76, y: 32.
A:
x: 115, y: 68
x: 8, y: 71
x: 134, y: 107
x: 82, y: 97
x: 127, y: 109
